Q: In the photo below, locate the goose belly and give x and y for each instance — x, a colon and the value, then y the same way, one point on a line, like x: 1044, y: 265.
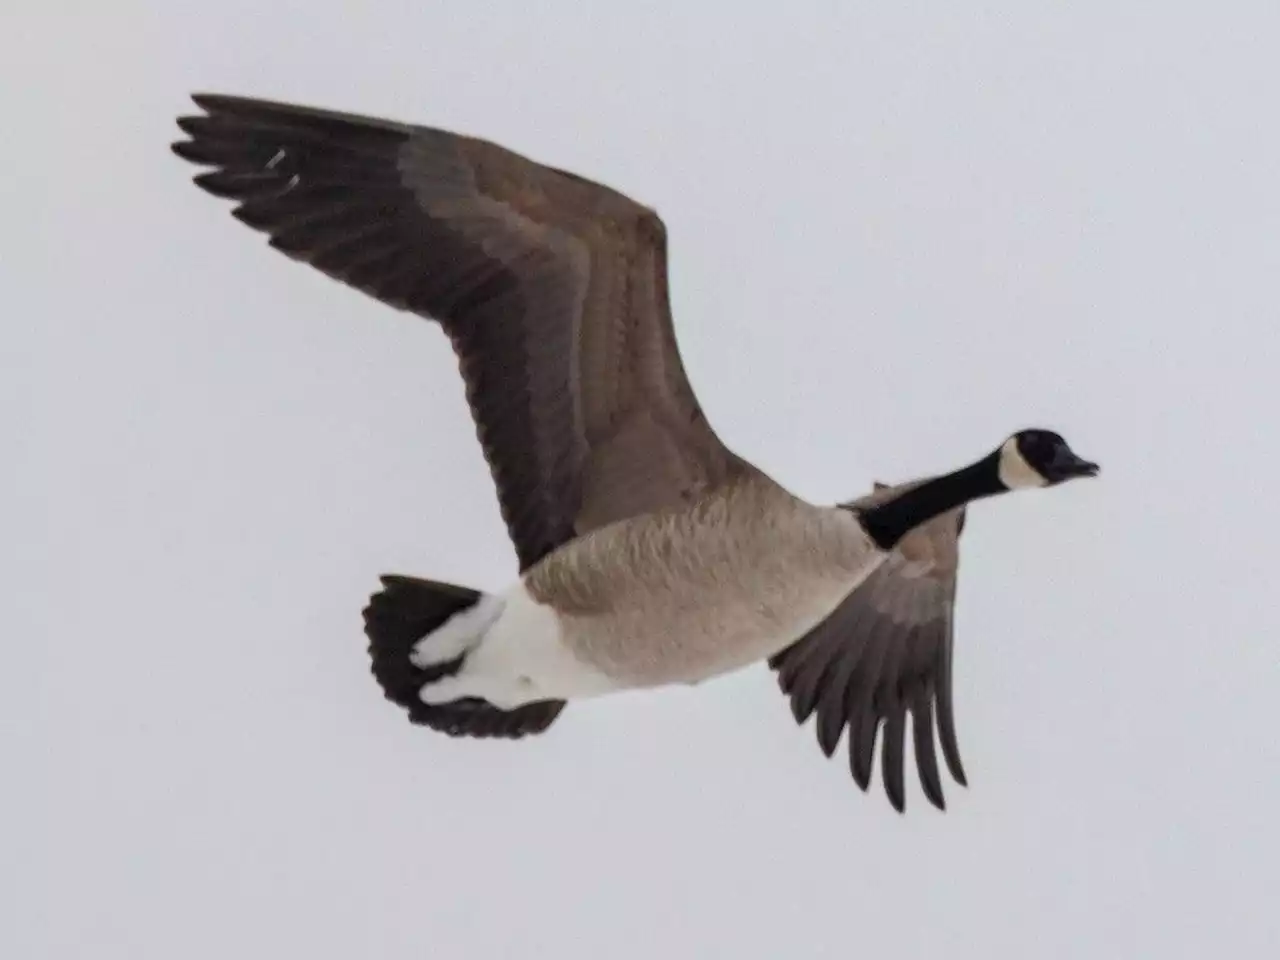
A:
x: 687, y: 639
x: 535, y: 652
x: 695, y: 595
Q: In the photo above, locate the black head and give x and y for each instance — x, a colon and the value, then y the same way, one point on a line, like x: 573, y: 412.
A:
x: 1040, y: 458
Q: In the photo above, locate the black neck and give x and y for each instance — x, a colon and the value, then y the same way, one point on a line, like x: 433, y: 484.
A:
x: 887, y: 523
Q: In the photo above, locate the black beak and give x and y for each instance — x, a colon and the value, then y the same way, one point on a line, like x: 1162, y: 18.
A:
x: 1067, y: 466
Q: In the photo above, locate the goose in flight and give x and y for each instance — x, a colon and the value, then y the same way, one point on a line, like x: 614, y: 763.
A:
x: 650, y: 553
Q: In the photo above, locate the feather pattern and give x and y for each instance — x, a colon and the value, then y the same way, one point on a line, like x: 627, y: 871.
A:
x: 551, y: 288
x: 882, y: 657
x: 553, y: 292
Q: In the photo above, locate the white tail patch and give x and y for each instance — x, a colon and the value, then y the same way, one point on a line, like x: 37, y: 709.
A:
x: 520, y: 657
x: 459, y: 634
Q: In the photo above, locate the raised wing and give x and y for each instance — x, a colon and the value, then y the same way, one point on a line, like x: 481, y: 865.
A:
x: 883, y: 653
x: 552, y: 289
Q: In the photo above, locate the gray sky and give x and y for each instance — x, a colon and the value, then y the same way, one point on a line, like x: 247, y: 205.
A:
x: 1065, y: 215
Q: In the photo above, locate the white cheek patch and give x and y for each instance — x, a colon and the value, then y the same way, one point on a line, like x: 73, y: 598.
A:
x: 1015, y: 472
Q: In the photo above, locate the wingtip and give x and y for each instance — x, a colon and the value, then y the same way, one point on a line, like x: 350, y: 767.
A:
x: 825, y: 743
x: 230, y: 104
x: 211, y: 102
x: 192, y: 125
x: 951, y: 756
x: 897, y: 795
x: 189, y: 151
x: 861, y: 776
x: 801, y: 708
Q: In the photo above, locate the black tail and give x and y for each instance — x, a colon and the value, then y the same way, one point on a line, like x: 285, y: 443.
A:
x: 404, y: 612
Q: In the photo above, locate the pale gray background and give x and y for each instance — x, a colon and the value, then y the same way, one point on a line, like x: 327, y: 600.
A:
x: 899, y: 231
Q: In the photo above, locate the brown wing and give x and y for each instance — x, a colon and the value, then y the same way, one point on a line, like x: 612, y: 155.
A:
x: 883, y: 653
x: 552, y: 289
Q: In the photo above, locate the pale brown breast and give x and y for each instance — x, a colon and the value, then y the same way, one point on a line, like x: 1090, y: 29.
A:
x: 682, y: 595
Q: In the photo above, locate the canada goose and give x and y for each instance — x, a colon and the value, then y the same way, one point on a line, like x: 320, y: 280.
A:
x: 650, y: 553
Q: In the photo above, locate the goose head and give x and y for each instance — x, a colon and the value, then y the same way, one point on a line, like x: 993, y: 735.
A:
x: 1039, y: 458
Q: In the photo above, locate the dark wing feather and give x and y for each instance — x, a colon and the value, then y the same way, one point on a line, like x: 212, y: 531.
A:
x: 552, y: 289
x: 882, y: 656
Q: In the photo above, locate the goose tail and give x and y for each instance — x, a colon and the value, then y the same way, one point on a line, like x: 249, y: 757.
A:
x: 421, y: 631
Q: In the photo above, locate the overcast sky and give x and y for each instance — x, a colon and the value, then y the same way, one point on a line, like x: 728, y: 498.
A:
x: 898, y: 232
